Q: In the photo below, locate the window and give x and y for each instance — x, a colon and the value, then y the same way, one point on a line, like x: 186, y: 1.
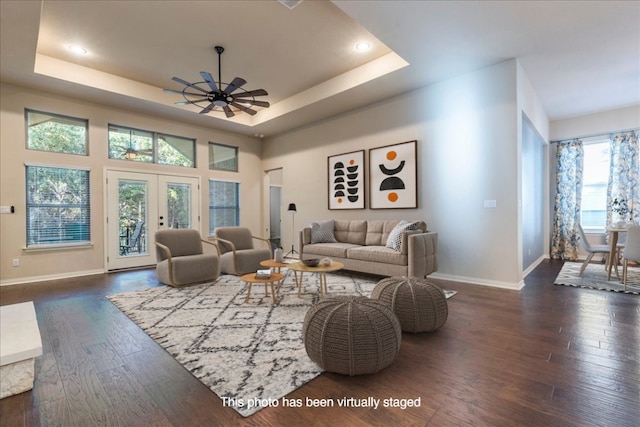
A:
x: 57, y: 206
x: 595, y: 176
x: 223, y: 157
x: 150, y: 147
x: 224, y: 205
x: 177, y: 151
x: 53, y: 132
x: 130, y: 144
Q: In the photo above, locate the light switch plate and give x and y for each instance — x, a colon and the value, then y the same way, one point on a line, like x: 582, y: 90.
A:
x: 489, y: 203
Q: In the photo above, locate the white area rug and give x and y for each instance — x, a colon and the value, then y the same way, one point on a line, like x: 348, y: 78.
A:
x: 595, y: 277
x: 246, y: 353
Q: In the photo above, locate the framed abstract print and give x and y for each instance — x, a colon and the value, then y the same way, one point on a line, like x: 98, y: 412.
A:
x: 393, y: 176
x: 346, y: 180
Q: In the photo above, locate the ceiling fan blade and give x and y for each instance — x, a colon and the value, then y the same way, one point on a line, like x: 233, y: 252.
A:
x: 208, y: 108
x: 191, y: 102
x: 179, y: 92
x: 251, y: 93
x: 210, y: 81
x: 254, y: 102
x: 245, y: 109
x: 228, y: 111
x: 186, y: 83
x: 235, y: 84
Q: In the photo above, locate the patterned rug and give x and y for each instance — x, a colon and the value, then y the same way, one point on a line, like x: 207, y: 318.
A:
x: 595, y: 277
x: 250, y: 355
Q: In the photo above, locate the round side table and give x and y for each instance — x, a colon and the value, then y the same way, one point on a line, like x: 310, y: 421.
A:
x: 251, y: 279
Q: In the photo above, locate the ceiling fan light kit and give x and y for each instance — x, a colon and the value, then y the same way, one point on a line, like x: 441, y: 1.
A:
x: 210, y: 96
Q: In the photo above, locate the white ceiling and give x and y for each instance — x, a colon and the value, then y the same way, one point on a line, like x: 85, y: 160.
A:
x: 581, y: 57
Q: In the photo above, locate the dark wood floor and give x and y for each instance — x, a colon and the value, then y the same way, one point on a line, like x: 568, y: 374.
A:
x: 544, y: 356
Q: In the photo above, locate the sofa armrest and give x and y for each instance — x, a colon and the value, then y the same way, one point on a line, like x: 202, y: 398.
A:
x: 422, y: 254
x: 304, y: 239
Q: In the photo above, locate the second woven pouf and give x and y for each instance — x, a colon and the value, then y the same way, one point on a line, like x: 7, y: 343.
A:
x: 351, y: 335
x: 420, y: 305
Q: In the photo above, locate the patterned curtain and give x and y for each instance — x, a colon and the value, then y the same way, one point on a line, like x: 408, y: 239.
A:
x: 624, y: 176
x: 569, y: 164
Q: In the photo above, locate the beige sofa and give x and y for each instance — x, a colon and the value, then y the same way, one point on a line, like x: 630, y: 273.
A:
x: 361, y: 246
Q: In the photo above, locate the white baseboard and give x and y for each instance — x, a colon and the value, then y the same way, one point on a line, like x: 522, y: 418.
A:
x: 476, y: 281
x: 534, y: 265
x: 36, y: 279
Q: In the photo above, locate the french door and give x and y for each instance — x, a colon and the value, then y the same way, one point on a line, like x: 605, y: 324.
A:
x: 138, y: 205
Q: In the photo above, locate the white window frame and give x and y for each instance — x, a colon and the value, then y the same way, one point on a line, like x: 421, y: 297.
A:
x: 212, y: 207
x: 86, y: 205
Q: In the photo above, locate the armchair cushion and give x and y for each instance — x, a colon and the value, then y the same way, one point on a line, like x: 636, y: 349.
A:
x: 189, y: 269
x: 239, y: 236
x: 238, y: 254
x: 182, y: 260
x: 246, y: 261
x: 181, y: 242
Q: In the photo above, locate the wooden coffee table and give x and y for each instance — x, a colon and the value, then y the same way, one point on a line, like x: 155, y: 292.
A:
x: 250, y: 279
x: 320, y: 269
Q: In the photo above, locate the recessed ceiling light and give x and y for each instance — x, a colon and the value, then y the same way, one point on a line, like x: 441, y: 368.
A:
x: 363, y: 46
x: 78, y: 50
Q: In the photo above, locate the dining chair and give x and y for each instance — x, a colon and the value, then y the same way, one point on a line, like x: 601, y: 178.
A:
x: 592, y: 250
x: 631, y: 251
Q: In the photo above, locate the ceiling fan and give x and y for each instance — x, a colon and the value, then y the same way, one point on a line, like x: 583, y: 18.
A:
x: 210, y: 96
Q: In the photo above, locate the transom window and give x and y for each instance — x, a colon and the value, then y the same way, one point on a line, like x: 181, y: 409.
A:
x: 223, y: 157
x: 224, y: 204
x: 57, y: 206
x: 57, y: 133
x: 138, y: 145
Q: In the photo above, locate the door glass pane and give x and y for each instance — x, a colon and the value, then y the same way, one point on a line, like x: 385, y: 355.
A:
x: 178, y: 205
x: 132, y: 201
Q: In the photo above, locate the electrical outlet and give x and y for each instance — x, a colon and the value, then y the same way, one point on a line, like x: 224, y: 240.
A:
x: 16, y: 262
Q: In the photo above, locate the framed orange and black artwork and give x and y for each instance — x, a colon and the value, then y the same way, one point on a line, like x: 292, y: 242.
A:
x: 393, y: 172
x: 346, y: 175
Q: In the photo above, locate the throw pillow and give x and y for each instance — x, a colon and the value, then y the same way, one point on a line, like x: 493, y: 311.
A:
x: 395, y: 237
x: 322, y: 232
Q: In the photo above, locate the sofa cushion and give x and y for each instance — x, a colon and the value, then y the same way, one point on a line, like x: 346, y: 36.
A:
x: 351, y: 231
x: 378, y: 254
x: 378, y: 232
x: 329, y: 249
x: 394, y: 241
x: 322, y: 232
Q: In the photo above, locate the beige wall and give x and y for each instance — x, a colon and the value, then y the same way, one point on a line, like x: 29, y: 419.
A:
x: 13, y: 155
x: 596, y: 124
x: 469, y: 150
x: 467, y: 133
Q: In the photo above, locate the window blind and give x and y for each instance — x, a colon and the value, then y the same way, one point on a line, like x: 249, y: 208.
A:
x: 58, y: 209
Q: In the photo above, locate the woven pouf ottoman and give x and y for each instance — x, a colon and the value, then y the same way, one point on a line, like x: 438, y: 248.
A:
x: 420, y: 305
x: 351, y: 335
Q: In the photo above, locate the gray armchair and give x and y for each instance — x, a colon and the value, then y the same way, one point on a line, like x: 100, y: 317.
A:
x: 182, y: 260
x: 238, y: 255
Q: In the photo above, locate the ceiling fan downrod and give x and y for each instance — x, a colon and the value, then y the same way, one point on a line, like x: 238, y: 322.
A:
x: 219, y: 49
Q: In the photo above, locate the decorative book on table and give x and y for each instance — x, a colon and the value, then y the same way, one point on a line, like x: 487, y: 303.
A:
x: 263, y: 274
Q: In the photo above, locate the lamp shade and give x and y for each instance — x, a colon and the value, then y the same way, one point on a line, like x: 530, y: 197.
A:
x: 292, y: 207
